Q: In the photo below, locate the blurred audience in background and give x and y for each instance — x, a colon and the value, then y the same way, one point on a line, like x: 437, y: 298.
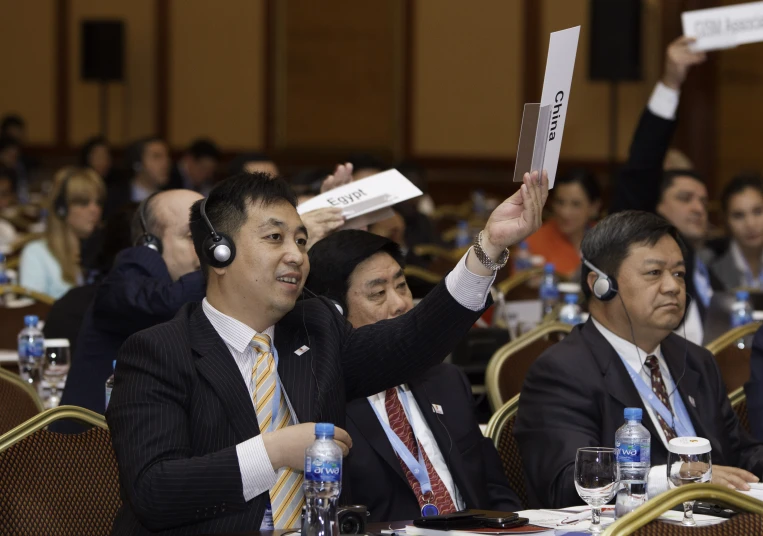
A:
x: 253, y: 163
x: 96, y: 155
x: 52, y: 264
x: 148, y: 167
x: 196, y: 168
x: 307, y: 183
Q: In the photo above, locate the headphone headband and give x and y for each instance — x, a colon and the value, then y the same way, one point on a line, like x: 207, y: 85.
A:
x: 218, y: 249
x: 148, y: 239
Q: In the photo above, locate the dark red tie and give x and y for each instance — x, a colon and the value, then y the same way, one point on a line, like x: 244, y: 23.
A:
x: 400, y: 425
x: 658, y: 387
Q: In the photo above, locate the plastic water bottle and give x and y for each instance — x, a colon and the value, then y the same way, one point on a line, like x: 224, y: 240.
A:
x: 31, y: 351
x: 463, y: 237
x: 479, y: 203
x: 323, y: 483
x: 4, y: 279
x: 523, y: 259
x: 741, y: 313
x: 570, y: 312
x: 110, y: 384
x: 633, y: 444
x: 549, y: 292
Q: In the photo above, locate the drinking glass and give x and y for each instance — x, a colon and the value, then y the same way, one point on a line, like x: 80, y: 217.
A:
x: 689, y: 463
x: 596, y: 480
x: 55, y: 367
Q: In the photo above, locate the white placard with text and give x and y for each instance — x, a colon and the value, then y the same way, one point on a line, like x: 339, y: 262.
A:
x: 724, y: 27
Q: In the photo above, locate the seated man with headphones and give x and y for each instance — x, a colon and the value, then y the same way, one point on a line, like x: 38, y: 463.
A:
x: 148, y: 284
x: 627, y: 356
x: 432, y: 414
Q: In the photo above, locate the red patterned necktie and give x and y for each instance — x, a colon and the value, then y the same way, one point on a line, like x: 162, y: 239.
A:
x: 658, y: 387
x: 440, y: 497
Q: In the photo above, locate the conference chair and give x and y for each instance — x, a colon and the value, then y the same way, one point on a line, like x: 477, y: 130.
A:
x: 456, y: 212
x: 63, y: 484
x: 12, y: 317
x: 508, y: 367
x: 738, y: 400
x: 500, y: 429
x: 733, y: 358
x: 18, y: 400
x: 516, y: 287
x: 452, y: 255
x: 643, y: 520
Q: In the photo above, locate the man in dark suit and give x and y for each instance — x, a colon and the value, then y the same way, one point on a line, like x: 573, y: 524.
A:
x: 576, y: 392
x: 679, y: 196
x: 363, y: 274
x: 196, y: 169
x: 144, y: 288
x: 206, y: 408
x: 754, y: 387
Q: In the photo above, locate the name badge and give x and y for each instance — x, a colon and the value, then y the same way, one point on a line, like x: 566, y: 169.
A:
x: 302, y: 350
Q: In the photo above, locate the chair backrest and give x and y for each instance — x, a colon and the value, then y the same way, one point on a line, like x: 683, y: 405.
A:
x: 738, y: 401
x: 64, y: 484
x: 18, y: 400
x: 734, y: 358
x: 500, y: 429
x: 508, y: 367
x: 516, y: 288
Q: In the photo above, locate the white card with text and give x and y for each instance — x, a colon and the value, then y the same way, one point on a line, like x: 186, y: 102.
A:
x: 724, y: 27
x: 366, y: 195
x: 560, y: 65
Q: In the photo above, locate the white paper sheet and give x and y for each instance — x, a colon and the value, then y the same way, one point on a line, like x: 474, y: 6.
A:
x: 724, y: 27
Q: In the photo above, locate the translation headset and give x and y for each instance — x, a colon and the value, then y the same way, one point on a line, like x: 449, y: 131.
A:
x: 59, y: 203
x: 218, y: 248
x: 605, y: 287
x: 148, y: 239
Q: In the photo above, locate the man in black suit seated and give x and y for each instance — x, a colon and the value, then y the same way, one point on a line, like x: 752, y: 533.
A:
x: 363, y: 274
x: 206, y: 410
x: 196, y: 168
x: 575, y: 393
x: 147, y: 285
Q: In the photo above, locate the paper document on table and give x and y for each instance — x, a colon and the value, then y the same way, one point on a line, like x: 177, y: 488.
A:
x: 526, y: 529
x: 366, y: 195
x: 724, y: 27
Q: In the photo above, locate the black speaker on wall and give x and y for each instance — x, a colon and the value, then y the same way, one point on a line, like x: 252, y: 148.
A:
x: 103, y: 46
x: 615, y: 50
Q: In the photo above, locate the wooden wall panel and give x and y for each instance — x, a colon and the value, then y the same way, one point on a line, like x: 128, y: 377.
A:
x: 467, y: 80
x: 132, y: 110
x: 217, y: 79
x: 27, y: 37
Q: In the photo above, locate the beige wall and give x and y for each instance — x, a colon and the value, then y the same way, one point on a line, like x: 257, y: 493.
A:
x: 27, y: 86
x: 217, y: 72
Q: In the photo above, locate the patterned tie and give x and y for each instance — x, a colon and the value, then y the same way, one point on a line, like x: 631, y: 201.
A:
x: 286, y: 497
x: 658, y: 386
x: 400, y: 425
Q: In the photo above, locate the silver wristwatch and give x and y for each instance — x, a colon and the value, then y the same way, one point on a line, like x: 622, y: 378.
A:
x: 486, y: 261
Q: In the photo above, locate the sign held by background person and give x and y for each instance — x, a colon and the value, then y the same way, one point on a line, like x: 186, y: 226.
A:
x: 717, y: 28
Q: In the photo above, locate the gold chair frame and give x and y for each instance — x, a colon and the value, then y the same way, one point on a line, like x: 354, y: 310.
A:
x: 38, y: 422
x: 453, y: 211
x: 731, y: 336
x: 425, y: 275
x: 499, y: 419
x: 450, y: 254
x: 504, y: 353
x: 6, y: 375
x: 651, y: 510
x: 737, y: 396
x: 22, y: 291
x: 520, y: 278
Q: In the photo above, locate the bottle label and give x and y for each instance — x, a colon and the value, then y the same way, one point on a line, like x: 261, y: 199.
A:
x: 31, y: 349
x: 320, y: 470
x: 632, y: 453
x: 549, y: 292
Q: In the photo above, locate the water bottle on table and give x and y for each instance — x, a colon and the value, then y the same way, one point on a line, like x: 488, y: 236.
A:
x: 570, y: 312
x: 633, y: 444
x: 463, y: 237
x: 323, y: 483
x: 741, y: 313
x: 31, y: 351
x: 523, y: 259
x: 549, y: 291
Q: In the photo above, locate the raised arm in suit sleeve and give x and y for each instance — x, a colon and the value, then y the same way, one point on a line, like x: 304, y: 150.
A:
x: 638, y: 184
x: 140, y: 288
x: 165, y: 484
x: 754, y: 387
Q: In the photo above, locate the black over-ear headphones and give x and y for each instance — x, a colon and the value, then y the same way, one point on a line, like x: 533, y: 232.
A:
x: 59, y: 203
x: 147, y: 239
x: 219, y: 250
x: 605, y: 287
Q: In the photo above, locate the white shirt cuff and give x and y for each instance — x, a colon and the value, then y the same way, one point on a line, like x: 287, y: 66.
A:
x: 468, y: 289
x: 657, y: 481
x: 664, y: 101
x: 257, y: 474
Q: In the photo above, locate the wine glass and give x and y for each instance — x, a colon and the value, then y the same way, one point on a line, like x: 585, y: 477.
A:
x: 55, y: 366
x: 689, y: 463
x: 596, y: 480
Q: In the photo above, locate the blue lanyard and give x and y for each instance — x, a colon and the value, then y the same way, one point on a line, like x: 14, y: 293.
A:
x: 417, y: 467
x: 277, y: 397
x: 680, y: 422
x: 702, y: 282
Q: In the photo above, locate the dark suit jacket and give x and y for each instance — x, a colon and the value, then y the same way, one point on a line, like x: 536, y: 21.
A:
x: 754, y: 387
x: 67, y: 315
x: 138, y: 293
x: 574, y: 396
x: 376, y: 477
x: 180, y: 405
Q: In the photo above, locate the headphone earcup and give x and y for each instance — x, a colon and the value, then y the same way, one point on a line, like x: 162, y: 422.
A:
x: 605, y: 288
x: 221, y: 252
x: 151, y: 242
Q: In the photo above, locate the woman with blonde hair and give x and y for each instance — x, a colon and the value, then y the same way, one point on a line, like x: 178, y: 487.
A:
x: 51, y: 265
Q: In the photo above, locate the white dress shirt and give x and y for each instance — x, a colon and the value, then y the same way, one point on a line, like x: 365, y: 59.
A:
x: 424, y: 436
x: 657, y: 481
x: 257, y: 474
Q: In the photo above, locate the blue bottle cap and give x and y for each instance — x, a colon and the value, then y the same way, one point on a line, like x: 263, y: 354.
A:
x: 2, y: 257
x: 324, y: 429
x: 570, y: 298
x: 463, y: 224
x: 743, y: 295
x: 524, y: 245
x: 31, y: 320
x: 114, y: 365
x: 633, y: 414
x: 549, y: 268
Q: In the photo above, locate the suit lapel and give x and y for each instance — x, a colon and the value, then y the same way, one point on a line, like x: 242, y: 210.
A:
x: 292, y: 368
x: 216, y: 364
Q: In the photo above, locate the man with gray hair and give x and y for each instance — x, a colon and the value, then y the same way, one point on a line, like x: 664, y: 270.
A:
x: 148, y: 284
